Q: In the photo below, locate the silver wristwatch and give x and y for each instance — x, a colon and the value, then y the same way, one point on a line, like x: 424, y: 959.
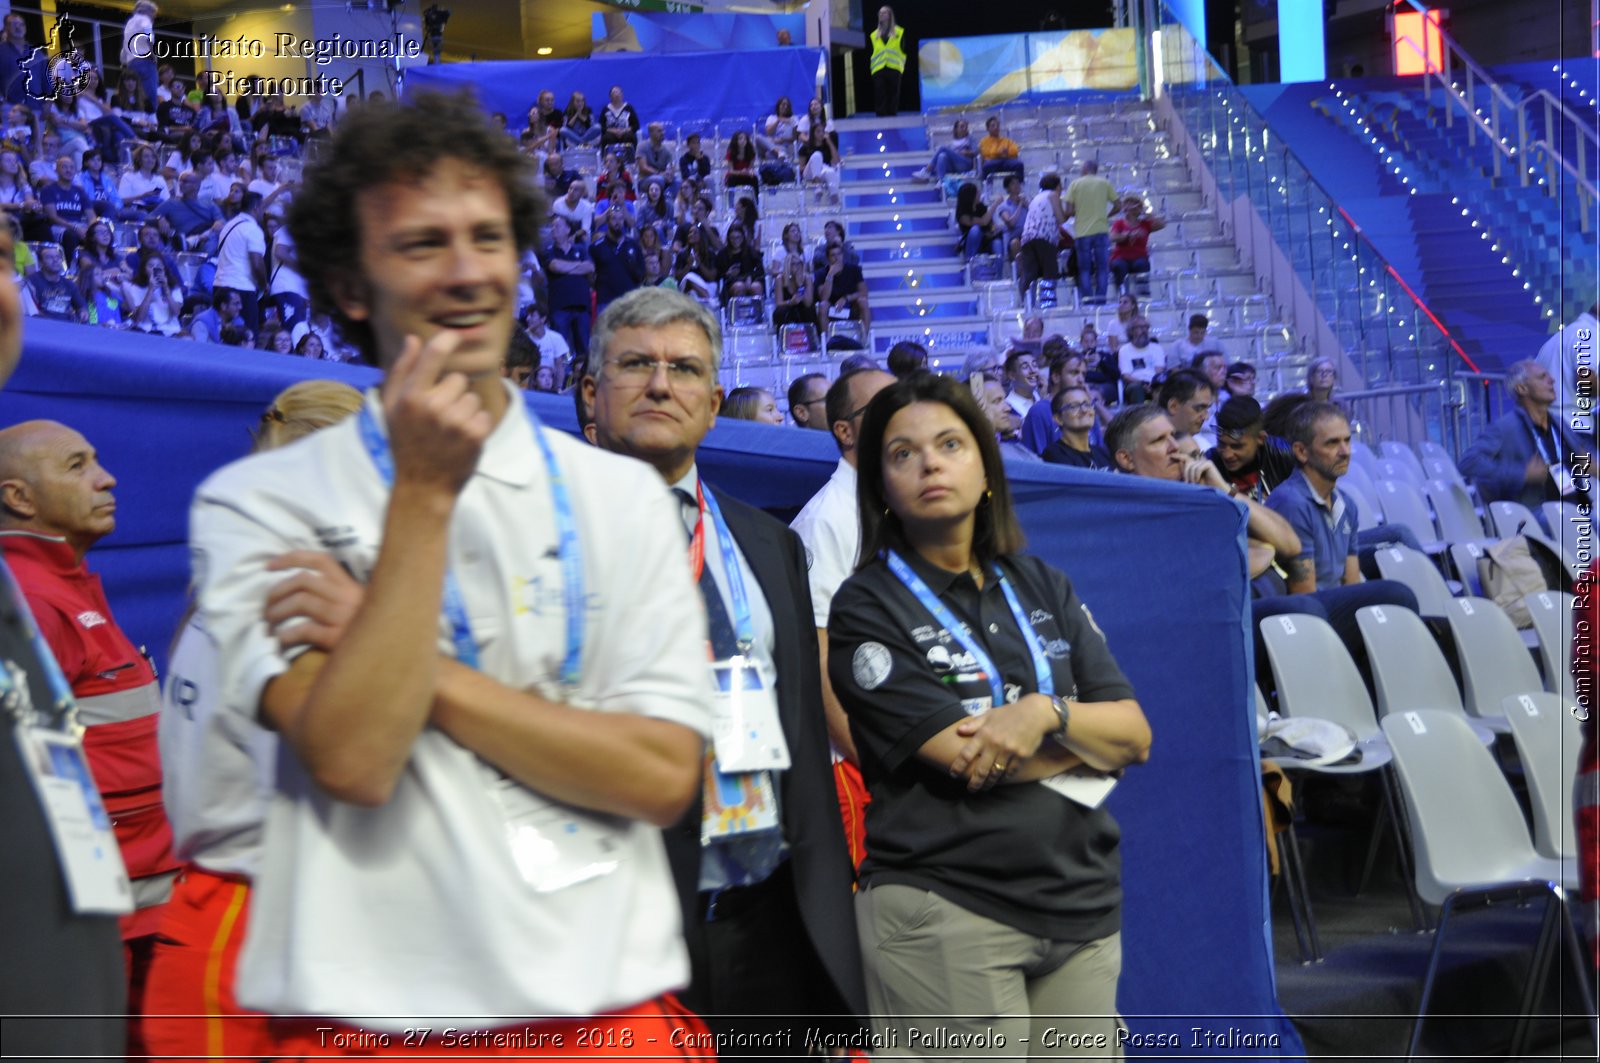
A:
x: 1063, y: 717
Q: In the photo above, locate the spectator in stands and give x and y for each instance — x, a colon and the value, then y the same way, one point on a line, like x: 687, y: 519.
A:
x: 67, y: 205
x: 153, y: 299
x: 1279, y: 411
x: 1074, y: 410
x: 278, y: 341
x: 1039, y: 427
x: 42, y: 167
x: 102, y: 302
x: 185, y: 155
x: 842, y: 291
x: 614, y: 182
x: 54, y: 294
x: 975, y: 222
x: 1090, y: 199
x: 780, y: 135
x: 555, y: 176
x: 694, y: 264
x: 571, y: 273
x: 807, y: 397
x: 578, y: 127
x: 990, y: 392
x: 1569, y: 355
x: 958, y: 156
x: 19, y: 198
x: 1130, y: 237
x: 1239, y: 382
x: 141, y: 187
x: 99, y: 249
x: 739, y: 266
x: 1252, y: 462
x: 961, y: 807
x: 100, y: 186
x: 795, y: 295
x: 654, y: 211
x: 655, y: 159
x: 819, y: 159
x: 543, y: 379
x: 1527, y: 455
x: 194, y: 220
x: 242, y: 258
x: 1213, y: 364
x: 225, y: 312
x: 618, y: 263
x: 999, y: 152
x: 286, y: 288
x: 544, y: 122
x: 1138, y: 360
x: 1039, y: 256
x: 833, y: 233
x: 18, y: 61
x: 741, y: 160
x: 1009, y: 213
x: 312, y: 348
x: 980, y: 361
x: 1021, y: 381
x: 1186, y: 396
x: 1325, y: 519
x: 150, y: 240
x: 1322, y: 376
x: 576, y: 209
x: 619, y: 126
x: 906, y: 358
x: 748, y: 214
x: 1194, y: 341
x: 751, y: 404
x: 694, y: 164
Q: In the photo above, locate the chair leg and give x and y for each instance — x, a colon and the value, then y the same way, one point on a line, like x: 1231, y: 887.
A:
x: 1538, y: 975
x: 1403, y: 849
x: 1295, y: 880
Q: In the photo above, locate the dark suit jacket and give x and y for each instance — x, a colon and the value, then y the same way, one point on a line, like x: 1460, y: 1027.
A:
x: 1497, y: 461
x: 808, y: 802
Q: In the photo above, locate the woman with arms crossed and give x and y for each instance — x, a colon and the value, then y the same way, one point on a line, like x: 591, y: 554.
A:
x: 976, y: 682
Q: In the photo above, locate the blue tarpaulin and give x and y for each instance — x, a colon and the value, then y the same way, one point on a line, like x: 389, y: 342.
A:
x: 1162, y: 566
x: 692, y: 89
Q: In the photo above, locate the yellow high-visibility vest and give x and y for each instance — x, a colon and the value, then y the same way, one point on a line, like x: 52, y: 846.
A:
x: 888, y: 55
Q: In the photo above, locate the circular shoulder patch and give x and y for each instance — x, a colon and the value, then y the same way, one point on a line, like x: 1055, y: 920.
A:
x: 870, y: 665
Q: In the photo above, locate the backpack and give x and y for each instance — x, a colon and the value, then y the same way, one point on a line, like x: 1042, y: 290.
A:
x: 1514, y: 568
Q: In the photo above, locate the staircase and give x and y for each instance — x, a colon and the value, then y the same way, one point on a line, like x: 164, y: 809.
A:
x: 921, y: 290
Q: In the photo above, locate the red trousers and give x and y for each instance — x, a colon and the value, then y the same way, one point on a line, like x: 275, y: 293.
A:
x: 659, y: 1028
x: 853, y: 802
x: 189, y: 1007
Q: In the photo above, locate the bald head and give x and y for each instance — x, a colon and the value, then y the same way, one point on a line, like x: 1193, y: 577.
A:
x: 51, y: 483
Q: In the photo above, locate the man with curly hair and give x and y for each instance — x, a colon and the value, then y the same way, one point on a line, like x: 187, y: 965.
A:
x: 476, y: 760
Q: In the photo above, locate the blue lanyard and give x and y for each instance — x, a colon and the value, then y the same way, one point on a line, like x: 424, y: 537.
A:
x: 962, y: 634
x: 455, y: 609
x: 743, y: 629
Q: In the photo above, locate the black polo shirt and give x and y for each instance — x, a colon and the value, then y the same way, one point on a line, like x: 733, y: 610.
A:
x: 1019, y: 854
x: 1274, y: 464
x: 1058, y: 453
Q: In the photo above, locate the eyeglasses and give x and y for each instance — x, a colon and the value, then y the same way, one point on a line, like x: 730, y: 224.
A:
x: 857, y: 412
x: 636, y: 370
x: 1076, y: 407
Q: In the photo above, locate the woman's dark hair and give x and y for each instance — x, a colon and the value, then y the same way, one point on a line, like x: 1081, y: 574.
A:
x: 385, y: 141
x: 745, y: 209
x: 741, y: 150
x: 967, y: 199
x: 1279, y: 413
x: 995, y: 530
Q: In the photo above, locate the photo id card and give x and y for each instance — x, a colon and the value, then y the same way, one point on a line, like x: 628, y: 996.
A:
x: 91, y: 862
x: 554, y: 845
x: 745, y: 729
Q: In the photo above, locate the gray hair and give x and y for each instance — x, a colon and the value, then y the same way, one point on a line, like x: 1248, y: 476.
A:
x: 653, y: 308
x: 1518, y: 373
x: 1123, y: 431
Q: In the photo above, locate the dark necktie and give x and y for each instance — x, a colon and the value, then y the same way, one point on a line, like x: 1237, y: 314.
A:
x: 724, y: 640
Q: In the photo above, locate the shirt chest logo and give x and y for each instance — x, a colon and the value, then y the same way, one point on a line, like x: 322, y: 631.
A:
x: 90, y: 618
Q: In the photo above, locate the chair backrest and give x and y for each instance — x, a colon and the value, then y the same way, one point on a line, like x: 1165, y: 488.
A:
x: 1458, y: 522
x: 1443, y: 469
x: 1495, y: 664
x: 1464, y: 558
x: 1362, y: 455
x: 1566, y: 522
x: 1315, y: 675
x: 1428, y: 450
x: 1466, y: 827
x: 1552, y: 623
x: 1355, y: 481
x: 1548, y: 742
x: 1513, y: 518
x: 1404, y: 455
x: 1417, y: 572
x: 1389, y: 469
x: 1408, y: 669
x: 1403, y: 503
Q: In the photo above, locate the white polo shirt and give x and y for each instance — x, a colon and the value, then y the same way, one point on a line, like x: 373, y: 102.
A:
x: 417, y: 907
x: 552, y: 347
x: 830, y: 527
x: 240, y: 238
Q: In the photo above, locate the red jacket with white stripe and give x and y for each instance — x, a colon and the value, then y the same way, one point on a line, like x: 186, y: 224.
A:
x: 118, y: 703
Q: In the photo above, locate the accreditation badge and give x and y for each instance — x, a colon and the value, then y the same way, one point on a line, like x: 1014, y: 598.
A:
x: 91, y: 862
x: 745, y: 729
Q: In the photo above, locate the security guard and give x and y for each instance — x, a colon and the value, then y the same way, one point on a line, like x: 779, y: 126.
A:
x: 888, y: 62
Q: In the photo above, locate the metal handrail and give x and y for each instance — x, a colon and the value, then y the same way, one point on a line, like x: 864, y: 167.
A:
x: 1452, y: 52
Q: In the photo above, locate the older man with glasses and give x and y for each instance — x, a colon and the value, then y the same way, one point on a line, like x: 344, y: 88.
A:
x: 759, y: 861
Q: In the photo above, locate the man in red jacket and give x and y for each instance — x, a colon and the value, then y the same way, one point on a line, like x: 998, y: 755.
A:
x: 56, y: 502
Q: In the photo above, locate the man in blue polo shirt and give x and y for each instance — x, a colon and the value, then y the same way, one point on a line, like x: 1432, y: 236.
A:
x: 571, y: 274
x: 195, y: 220
x: 67, y: 205
x: 618, y: 262
x: 1325, y: 519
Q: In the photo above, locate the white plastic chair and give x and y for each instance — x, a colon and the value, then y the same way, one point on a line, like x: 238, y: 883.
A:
x: 1548, y: 739
x: 1403, y: 455
x: 1464, y: 558
x: 1414, y: 570
x: 1552, y: 627
x: 1495, y: 663
x: 1458, y: 521
x: 1403, y: 503
x: 1409, y: 670
x: 1513, y: 518
x: 1467, y: 829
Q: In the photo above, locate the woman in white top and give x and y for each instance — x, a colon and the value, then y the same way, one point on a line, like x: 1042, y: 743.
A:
x: 782, y: 133
x: 151, y: 300
x: 142, y: 188
x: 816, y: 114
